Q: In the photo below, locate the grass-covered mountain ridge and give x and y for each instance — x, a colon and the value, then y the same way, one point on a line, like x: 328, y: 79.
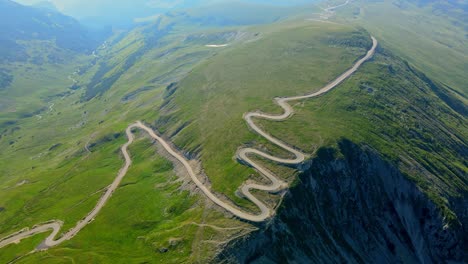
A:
x: 386, y: 148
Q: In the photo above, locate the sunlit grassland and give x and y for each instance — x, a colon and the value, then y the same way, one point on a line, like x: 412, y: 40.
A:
x: 148, y: 215
x: 56, y: 166
x: 387, y: 107
x: 213, y: 98
x: 21, y: 250
x: 432, y: 43
x: 37, y: 81
x: 33, y: 88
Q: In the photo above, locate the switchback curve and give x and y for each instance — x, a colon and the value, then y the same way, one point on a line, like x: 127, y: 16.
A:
x: 243, y: 155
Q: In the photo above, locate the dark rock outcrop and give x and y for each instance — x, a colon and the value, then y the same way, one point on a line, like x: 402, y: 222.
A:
x: 353, y: 207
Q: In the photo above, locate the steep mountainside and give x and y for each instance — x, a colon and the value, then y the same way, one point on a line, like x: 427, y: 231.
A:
x: 402, y: 188
x: 431, y: 35
x: 39, y: 51
x: 351, y: 206
x: 19, y: 24
x: 70, y: 153
x: 386, y: 173
x: 70, y: 149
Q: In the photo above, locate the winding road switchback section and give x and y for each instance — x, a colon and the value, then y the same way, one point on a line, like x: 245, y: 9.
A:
x: 243, y: 155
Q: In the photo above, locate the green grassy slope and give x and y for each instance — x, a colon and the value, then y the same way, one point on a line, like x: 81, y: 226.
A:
x: 56, y: 166
x: 37, y: 81
x: 48, y: 173
x: 39, y: 50
x: 206, y: 110
x: 148, y: 220
x: 390, y: 107
x: 431, y: 39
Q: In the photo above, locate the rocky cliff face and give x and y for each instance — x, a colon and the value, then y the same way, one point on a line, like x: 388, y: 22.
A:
x: 353, y: 207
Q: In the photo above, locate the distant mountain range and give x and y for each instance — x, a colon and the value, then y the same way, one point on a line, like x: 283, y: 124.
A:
x: 122, y: 13
x: 20, y: 24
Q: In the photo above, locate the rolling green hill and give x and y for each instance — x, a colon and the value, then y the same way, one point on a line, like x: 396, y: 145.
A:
x: 384, y: 126
x: 430, y: 35
x: 135, y: 96
x: 230, y: 83
x: 191, y: 75
x: 39, y: 51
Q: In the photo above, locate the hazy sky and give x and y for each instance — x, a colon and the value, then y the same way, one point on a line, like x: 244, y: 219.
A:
x: 100, y: 12
x: 69, y: 4
x: 94, y: 7
x: 113, y: 12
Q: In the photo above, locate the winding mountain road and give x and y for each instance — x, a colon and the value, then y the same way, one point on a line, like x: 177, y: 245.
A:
x: 55, y: 226
x: 243, y: 155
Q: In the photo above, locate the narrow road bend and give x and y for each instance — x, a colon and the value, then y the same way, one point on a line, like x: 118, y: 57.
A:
x: 243, y: 155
